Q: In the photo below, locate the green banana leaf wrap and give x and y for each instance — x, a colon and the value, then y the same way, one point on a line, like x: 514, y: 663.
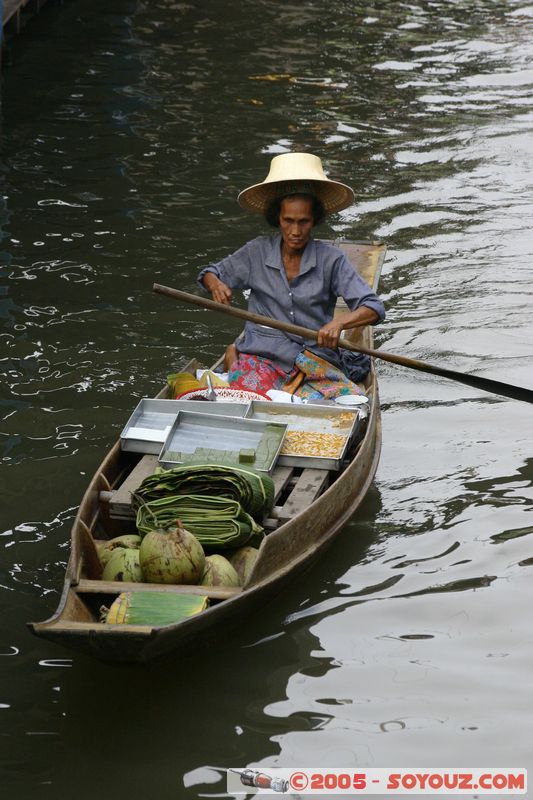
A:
x: 254, y: 491
x: 217, y: 522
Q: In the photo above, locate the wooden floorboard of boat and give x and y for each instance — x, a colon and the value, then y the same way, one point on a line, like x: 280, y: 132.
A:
x: 308, y: 487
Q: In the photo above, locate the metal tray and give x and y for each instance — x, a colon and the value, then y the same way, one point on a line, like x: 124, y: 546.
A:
x: 309, y: 419
x: 150, y: 423
x: 205, y: 438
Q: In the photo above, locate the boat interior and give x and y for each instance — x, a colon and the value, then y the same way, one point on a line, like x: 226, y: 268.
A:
x: 106, y: 510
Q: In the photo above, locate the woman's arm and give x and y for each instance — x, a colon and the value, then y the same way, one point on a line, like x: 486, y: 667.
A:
x: 231, y: 273
x: 220, y: 291
x: 365, y: 306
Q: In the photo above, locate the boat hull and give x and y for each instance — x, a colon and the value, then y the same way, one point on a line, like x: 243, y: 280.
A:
x: 284, y: 553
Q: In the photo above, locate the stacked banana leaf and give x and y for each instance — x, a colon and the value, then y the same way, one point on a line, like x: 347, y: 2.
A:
x: 220, y: 505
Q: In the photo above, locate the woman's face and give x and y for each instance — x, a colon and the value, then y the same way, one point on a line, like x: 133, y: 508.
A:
x: 296, y: 222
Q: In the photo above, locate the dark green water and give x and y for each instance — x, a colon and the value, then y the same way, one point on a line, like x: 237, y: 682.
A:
x: 127, y: 131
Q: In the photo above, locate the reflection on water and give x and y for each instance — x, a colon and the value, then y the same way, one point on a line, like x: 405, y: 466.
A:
x: 122, y: 156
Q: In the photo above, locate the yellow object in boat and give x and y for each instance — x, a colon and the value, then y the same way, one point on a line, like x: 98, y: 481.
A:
x: 180, y: 382
x: 216, y: 380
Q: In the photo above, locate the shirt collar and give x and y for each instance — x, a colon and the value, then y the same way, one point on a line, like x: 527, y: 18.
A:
x: 274, y: 259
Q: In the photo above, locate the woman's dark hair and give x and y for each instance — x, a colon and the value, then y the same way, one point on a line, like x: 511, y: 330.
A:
x: 274, y: 207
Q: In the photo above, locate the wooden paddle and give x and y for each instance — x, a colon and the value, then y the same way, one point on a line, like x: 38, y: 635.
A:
x: 487, y: 384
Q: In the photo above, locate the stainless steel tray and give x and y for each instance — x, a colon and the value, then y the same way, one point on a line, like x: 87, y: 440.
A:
x: 315, y: 422
x: 205, y: 438
x: 151, y: 421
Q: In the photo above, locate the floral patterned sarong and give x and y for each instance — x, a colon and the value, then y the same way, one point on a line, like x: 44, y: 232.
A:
x: 311, y: 378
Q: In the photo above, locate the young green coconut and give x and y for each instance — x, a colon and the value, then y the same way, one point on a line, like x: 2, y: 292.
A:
x: 218, y: 572
x: 123, y: 565
x: 106, y: 550
x: 171, y: 556
x: 243, y: 561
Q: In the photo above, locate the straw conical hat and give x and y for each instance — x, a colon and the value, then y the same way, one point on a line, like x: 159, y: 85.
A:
x: 295, y: 173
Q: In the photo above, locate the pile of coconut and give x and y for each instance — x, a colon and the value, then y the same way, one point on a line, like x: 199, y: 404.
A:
x: 173, y: 556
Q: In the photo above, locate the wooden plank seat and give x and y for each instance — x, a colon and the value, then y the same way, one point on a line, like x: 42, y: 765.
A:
x: 116, y: 587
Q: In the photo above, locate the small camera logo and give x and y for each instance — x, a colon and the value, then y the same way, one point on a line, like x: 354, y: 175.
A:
x: 260, y: 780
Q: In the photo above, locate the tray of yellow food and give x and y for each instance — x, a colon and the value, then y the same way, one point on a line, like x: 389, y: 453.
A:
x: 317, y: 436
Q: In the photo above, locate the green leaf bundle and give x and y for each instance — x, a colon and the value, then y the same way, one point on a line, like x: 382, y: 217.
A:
x: 217, y: 522
x: 253, y: 491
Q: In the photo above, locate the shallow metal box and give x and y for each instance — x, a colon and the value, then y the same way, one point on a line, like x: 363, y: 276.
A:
x: 310, y: 426
x: 205, y: 438
x: 150, y: 423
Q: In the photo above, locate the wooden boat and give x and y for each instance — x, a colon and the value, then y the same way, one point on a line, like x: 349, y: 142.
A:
x: 311, y: 507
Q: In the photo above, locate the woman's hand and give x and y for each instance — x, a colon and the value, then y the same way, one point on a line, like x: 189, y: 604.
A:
x: 328, y: 335
x: 220, y: 292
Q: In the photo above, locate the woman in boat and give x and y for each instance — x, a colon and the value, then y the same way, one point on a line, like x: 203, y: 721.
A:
x: 295, y: 278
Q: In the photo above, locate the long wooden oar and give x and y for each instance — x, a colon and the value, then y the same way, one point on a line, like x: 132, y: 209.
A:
x: 487, y: 384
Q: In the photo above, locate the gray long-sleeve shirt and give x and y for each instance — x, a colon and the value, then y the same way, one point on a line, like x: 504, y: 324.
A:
x: 308, y: 300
